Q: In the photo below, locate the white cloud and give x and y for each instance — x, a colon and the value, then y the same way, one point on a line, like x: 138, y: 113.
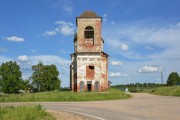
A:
x: 65, y: 28
x: 117, y: 43
x: 117, y: 63
x: 49, y: 59
x: 15, y: 39
x: 117, y: 74
x: 64, y: 23
x: 22, y: 58
x: 152, y: 48
x: 164, y: 38
x: 50, y: 33
x: 124, y: 46
x: 150, y: 69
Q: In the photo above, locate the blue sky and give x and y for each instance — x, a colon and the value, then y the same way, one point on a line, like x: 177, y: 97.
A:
x: 142, y: 37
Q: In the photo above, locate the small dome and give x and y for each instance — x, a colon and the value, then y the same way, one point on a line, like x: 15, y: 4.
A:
x: 89, y: 14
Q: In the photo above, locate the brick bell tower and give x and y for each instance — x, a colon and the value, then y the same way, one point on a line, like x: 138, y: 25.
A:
x: 89, y: 67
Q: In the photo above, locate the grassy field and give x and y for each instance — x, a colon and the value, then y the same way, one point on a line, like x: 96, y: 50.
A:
x: 35, y: 112
x: 166, y: 91
x: 64, y: 96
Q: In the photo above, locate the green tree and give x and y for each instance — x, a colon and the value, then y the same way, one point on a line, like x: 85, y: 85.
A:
x: 37, y: 76
x: 10, y: 77
x: 45, y: 77
x: 173, y: 78
x: 26, y: 84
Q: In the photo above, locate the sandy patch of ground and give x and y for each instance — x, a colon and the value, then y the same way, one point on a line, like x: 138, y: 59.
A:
x: 65, y: 115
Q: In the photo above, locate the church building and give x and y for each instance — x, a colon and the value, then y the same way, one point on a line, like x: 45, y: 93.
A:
x: 89, y: 67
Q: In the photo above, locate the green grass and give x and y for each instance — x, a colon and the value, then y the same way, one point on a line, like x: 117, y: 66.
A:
x: 166, y: 91
x: 64, y: 96
x: 35, y: 112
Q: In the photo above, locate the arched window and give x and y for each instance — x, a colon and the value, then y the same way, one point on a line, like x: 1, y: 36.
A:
x: 89, y: 35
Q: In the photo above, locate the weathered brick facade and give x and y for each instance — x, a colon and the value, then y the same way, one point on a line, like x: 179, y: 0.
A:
x: 89, y: 67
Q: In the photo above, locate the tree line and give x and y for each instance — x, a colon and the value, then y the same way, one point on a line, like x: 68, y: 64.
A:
x: 173, y: 79
x: 43, y: 78
x: 137, y: 87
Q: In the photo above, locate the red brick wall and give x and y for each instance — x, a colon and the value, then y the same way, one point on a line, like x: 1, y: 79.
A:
x: 90, y: 72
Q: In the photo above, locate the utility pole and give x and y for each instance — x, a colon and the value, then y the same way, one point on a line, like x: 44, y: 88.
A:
x: 161, y: 77
x: 146, y: 85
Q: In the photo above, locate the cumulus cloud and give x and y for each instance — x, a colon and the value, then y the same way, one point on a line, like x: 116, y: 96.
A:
x: 117, y: 63
x: 65, y: 28
x: 22, y: 58
x: 150, y: 69
x: 123, y: 46
x: 117, y: 74
x: 64, y: 23
x: 162, y: 37
x: 15, y: 39
x: 153, y: 46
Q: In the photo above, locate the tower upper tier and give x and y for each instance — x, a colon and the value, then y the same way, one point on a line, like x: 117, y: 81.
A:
x: 89, y: 37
